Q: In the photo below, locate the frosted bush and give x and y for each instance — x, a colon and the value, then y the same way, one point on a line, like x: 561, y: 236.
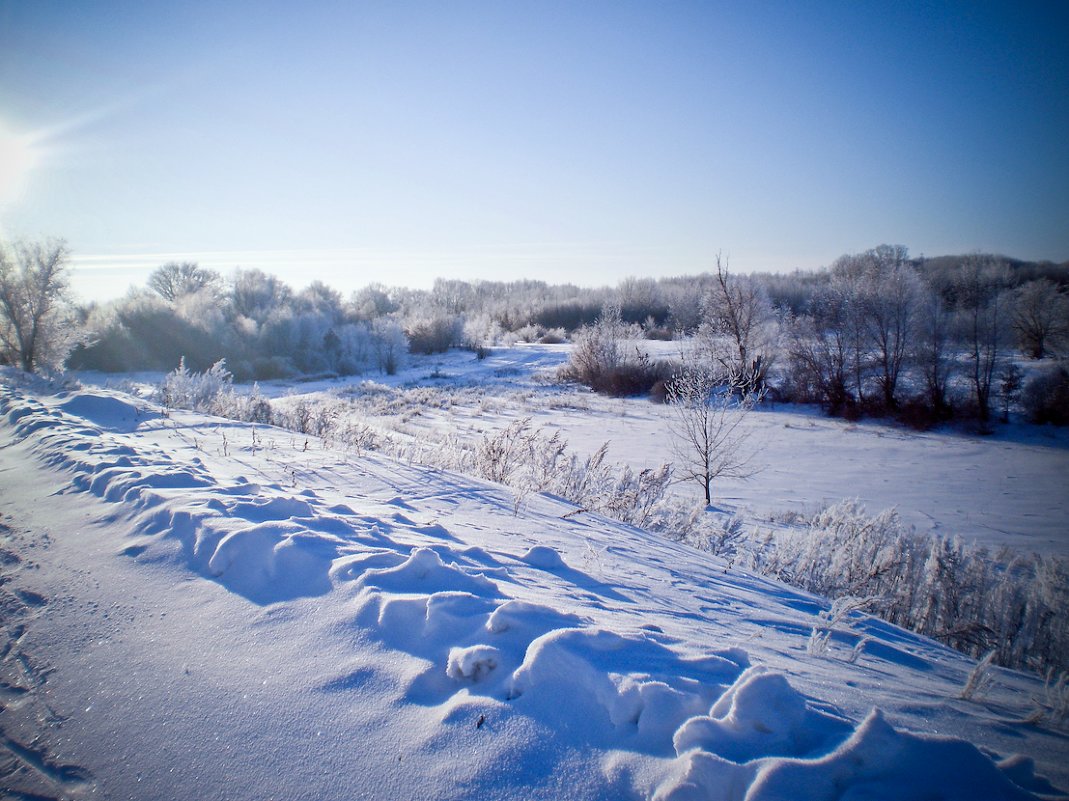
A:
x: 500, y: 456
x: 937, y: 586
x: 528, y: 333
x: 182, y: 389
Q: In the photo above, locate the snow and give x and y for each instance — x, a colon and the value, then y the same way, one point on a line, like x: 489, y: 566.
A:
x: 1008, y: 489
x: 196, y: 608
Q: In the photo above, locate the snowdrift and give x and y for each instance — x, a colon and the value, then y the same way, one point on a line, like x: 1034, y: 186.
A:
x: 582, y: 658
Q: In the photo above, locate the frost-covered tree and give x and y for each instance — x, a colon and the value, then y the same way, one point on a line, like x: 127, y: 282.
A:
x: 932, y: 352
x: 1041, y: 317
x: 371, y: 302
x: 1045, y: 396
x: 319, y: 299
x: 173, y: 280
x: 255, y: 294
x: 639, y: 298
x: 36, y: 324
x: 847, y: 292
x: 984, y: 310
x: 389, y: 343
x: 737, y: 329
x: 452, y: 296
x: 706, y: 423
x: 890, y: 293
x: 434, y: 331
x: 684, y: 308
x: 819, y: 351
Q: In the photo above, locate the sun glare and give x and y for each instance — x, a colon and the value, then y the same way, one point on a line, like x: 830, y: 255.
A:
x: 18, y: 157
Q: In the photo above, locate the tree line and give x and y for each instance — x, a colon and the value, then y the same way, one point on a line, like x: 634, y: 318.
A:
x: 877, y: 332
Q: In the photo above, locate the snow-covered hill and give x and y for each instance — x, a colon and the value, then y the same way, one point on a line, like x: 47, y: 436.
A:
x: 196, y: 608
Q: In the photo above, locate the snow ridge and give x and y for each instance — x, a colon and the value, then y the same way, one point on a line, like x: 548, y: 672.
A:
x: 679, y: 722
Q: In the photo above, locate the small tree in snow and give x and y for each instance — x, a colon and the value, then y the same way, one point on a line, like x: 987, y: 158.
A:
x: 706, y: 424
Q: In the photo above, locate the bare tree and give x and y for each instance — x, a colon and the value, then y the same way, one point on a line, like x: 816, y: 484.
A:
x: 173, y: 280
x: 638, y: 298
x: 389, y: 343
x: 818, y: 347
x: 932, y: 352
x: 847, y: 276
x: 738, y: 310
x: 984, y: 311
x: 36, y: 327
x: 1040, y: 317
x: 890, y: 293
x: 878, y: 295
x: 706, y: 425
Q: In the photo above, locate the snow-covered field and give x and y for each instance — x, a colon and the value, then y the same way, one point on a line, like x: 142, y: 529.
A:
x: 1008, y: 489
x: 197, y: 608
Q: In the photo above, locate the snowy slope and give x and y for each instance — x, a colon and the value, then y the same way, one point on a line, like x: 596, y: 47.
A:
x: 1010, y: 489
x: 196, y: 608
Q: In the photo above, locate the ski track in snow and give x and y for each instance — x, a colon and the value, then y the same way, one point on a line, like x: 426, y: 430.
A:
x: 589, y: 641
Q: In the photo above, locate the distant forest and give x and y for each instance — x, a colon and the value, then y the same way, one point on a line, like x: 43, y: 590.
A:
x: 878, y: 332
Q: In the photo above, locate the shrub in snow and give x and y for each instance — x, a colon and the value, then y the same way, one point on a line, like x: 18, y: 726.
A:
x: 528, y: 333
x: 1009, y: 388
x: 499, y: 456
x: 602, y: 360
x: 249, y: 407
x: 598, y: 348
x: 530, y: 460
x: 1045, y: 396
x: 553, y: 336
x: 961, y: 595
x: 212, y: 392
x: 182, y: 389
x: 435, y: 334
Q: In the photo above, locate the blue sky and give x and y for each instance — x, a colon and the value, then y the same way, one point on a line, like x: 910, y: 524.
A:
x: 573, y: 141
